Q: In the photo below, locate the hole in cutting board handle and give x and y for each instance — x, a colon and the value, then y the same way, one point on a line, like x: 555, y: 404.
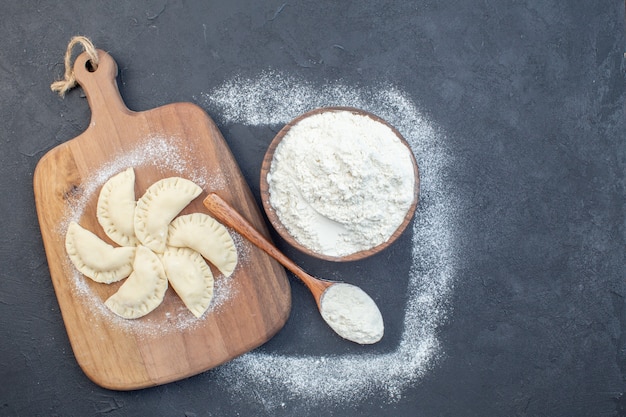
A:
x: 98, y: 81
x: 89, y: 66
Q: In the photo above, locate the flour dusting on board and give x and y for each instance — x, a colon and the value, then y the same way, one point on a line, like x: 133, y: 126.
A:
x: 167, y: 155
x: 275, y: 99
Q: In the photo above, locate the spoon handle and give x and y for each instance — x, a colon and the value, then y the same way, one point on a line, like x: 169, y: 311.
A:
x: 223, y: 212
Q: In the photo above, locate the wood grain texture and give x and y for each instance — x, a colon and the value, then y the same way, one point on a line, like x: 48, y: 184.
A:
x: 282, y: 230
x: 155, y: 349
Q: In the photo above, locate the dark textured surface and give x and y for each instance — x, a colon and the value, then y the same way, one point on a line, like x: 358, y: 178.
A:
x: 531, y: 95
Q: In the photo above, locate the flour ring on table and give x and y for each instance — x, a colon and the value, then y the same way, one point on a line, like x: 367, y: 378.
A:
x: 207, y: 236
x: 191, y: 278
x: 161, y: 202
x: 116, y: 208
x: 144, y: 289
x: 95, y: 258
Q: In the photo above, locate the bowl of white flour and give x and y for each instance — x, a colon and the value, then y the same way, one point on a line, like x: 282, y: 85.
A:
x: 339, y: 183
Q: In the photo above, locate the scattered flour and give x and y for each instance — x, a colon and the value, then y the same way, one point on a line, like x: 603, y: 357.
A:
x: 341, y: 182
x: 274, y: 99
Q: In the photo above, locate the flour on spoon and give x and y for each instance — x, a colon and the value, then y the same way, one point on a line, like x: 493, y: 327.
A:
x: 352, y: 314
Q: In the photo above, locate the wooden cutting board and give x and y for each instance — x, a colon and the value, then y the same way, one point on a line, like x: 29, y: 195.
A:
x: 174, y: 140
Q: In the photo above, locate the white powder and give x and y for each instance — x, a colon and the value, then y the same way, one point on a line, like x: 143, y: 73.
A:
x: 273, y: 99
x: 341, y: 182
x: 352, y: 314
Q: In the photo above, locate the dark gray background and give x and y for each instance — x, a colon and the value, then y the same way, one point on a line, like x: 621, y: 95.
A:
x: 531, y: 95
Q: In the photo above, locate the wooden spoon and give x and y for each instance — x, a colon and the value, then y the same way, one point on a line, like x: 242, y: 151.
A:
x: 351, y: 326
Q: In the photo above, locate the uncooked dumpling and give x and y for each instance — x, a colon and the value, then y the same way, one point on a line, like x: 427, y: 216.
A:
x: 144, y: 289
x: 206, y: 235
x: 116, y: 208
x: 158, y: 206
x: 190, y: 277
x: 95, y: 258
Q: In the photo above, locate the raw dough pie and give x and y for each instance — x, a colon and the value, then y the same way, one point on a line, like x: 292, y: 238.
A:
x: 204, y: 234
x: 116, y: 208
x: 144, y: 289
x: 158, y: 206
x: 190, y: 277
x: 95, y: 258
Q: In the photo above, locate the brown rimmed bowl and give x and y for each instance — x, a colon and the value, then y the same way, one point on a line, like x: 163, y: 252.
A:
x: 282, y: 230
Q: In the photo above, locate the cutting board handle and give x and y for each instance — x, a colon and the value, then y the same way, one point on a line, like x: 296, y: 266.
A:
x: 100, y: 87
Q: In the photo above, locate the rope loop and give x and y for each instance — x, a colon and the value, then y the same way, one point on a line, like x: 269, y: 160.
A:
x: 69, y: 80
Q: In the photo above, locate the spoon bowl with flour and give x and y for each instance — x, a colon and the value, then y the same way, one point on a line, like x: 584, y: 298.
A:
x: 346, y: 308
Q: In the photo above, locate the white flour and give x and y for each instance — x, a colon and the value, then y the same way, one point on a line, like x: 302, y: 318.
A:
x: 341, y: 182
x: 352, y: 314
x: 273, y: 99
